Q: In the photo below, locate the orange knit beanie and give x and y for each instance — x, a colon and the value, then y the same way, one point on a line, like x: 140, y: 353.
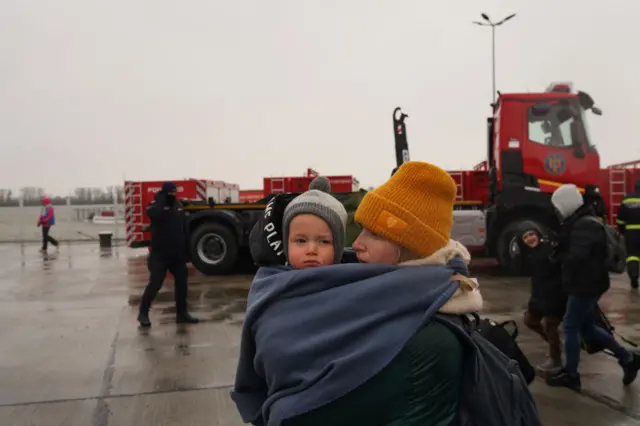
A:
x: 414, y: 208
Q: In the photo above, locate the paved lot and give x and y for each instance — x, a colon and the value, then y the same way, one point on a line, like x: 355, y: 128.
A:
x: 72, y: 353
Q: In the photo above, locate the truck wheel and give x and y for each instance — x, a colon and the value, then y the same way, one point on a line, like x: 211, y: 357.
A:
x: 509, y: 255
x: 213, y: 248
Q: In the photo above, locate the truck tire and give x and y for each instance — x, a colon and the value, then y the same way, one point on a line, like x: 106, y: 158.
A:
x: 508, y: 250
x: 213, y: 249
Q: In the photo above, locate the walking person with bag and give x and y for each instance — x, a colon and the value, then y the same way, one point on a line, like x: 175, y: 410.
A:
x: 46, y: 220
x: 583, y: 253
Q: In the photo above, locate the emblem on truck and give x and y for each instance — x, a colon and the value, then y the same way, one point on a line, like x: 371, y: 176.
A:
x: 555, y: 164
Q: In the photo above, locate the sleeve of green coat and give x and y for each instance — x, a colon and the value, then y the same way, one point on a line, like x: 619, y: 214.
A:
x: 420, y: 387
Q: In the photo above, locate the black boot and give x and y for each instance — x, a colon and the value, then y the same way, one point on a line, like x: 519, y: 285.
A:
x: 630, y: 370
x: 634, y: 283
x: 186, y: 318
x: 564, y: 379
x: 143, y: 319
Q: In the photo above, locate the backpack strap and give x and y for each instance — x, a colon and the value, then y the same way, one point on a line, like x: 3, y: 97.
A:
x: 462, y: 327
x: 593, y: 219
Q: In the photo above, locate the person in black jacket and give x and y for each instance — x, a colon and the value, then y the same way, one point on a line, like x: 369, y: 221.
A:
x: 628, y: 221
x: 547, y: 301
x: 582, y: 252
x: 168, y: 253
x: 593, y: 198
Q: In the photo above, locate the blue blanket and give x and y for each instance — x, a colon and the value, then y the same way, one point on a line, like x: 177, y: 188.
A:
x: 310, y: 336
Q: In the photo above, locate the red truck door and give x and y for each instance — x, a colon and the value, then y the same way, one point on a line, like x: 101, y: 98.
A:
x: 556, y: 148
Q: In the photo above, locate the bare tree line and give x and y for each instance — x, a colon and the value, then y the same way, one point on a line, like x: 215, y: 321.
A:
x: 32, y: 196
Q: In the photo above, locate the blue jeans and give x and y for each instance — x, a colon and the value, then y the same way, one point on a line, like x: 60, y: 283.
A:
x: 579, y: 319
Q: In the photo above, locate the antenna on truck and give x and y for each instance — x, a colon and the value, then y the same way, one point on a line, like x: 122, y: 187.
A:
x: 400, y: 134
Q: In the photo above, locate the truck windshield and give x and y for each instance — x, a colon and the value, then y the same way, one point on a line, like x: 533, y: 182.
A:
x: 562, y: 126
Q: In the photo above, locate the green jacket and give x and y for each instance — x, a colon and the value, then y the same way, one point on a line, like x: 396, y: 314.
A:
x: 420, y: 387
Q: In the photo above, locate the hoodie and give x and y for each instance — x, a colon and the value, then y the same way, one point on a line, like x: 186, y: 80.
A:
x: 582, y: 247
x: 311, y: 336
x: 566, y: 200
x: 47, y: 214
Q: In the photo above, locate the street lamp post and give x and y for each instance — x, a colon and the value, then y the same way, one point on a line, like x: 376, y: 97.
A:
x: 493, y: 26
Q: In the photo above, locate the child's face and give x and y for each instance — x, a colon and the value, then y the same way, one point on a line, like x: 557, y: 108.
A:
x: 530, y: 238
x: 310, y: 242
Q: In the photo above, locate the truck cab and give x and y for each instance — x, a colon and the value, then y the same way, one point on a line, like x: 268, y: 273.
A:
x: 540, y: 140
x: 536, y: 143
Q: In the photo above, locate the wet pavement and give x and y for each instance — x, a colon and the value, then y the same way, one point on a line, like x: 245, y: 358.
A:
x: 72, y: 353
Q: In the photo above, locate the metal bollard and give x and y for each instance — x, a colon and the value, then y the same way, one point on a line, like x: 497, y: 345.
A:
x: 105, y: 239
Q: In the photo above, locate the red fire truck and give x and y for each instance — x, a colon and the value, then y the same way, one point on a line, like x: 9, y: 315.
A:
x: 219, y: 221
x: 536, y: 142
x: 138, y: 195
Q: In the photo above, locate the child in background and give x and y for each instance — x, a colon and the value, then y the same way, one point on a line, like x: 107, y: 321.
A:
x: 547, y: 302
x: 46, y: 220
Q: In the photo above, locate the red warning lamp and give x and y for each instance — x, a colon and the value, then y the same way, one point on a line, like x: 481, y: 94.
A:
x: 560, y: 87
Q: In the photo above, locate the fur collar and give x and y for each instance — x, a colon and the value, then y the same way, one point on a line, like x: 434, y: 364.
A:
x: 467, y: 298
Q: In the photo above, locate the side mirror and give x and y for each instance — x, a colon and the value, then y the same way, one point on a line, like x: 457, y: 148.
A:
x: 541, y: 109
x: 585, y: 100
x: 596, y: 110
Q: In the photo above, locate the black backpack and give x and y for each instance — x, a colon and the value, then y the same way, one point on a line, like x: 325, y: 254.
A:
x: 503, y: 336
x: 494, y: 391
x: 616, y: 250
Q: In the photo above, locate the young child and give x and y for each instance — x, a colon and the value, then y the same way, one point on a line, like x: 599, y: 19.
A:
x: 314, y: 226
x: 547, y: 301
x: 46, y: 220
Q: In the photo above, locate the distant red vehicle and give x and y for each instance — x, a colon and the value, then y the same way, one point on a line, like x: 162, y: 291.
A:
x: 138, y: 195
x: 251, y: 195
x: 219, y: 221
x: 296, y: 184
x: 277, y: 185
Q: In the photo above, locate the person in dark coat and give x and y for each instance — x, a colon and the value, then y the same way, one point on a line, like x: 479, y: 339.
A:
x: 582, y: 252
x: 593, y: 198
x: 168, y: 253
x: 628, y: 221
x: 547, y: 301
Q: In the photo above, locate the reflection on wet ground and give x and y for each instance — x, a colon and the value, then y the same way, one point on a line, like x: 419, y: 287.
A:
x: 72, y: 353
x: 210, y: 298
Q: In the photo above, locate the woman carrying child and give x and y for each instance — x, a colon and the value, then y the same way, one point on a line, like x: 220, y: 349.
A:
x: 343, y: 344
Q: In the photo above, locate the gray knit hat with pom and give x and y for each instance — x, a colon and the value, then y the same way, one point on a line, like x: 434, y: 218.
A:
x: 318, y: 202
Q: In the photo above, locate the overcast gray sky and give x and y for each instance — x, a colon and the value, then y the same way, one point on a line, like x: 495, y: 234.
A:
x: 91, y: 91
